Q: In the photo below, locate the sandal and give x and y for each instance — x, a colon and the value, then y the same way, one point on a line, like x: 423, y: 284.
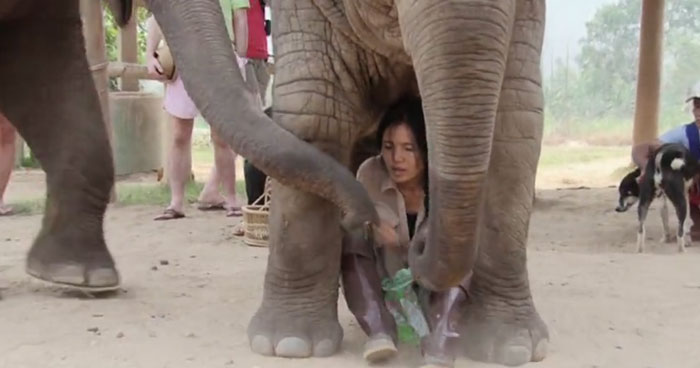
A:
x: 169, y: 214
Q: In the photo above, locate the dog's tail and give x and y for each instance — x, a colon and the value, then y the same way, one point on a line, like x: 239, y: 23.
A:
x: 672, y: 159
x: 677, y: 164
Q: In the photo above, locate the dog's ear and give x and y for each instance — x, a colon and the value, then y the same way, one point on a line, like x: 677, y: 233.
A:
x: 122, y: 10
x: 637, y: 172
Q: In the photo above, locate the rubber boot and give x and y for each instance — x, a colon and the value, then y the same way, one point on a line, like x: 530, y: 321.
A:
x: 363, y: 294
x: 444, y: 314
x: 695, y: 217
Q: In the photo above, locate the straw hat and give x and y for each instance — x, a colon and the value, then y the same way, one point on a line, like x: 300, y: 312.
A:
x: 693, y: 92
x: 165, y: 58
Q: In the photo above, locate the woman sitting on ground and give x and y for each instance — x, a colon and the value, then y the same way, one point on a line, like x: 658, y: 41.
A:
x: 397, y: 182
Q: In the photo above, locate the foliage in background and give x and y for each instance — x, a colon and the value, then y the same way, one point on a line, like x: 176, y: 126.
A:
x: 112, y: 37
x: 600, y: 84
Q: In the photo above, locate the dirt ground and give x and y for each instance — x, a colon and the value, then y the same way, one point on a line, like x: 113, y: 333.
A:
x: 605, y: 305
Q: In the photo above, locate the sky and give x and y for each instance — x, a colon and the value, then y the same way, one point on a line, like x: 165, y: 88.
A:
x: 565, y: 25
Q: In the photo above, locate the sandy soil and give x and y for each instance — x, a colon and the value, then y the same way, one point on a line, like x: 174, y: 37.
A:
x: 605, y: 305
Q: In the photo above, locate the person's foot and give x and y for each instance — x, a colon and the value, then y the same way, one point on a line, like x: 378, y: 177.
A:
x: 378, y: 348
x: 211, y: 206
x: 233, y: 211
x: 6, y: 210
x: 169, y: 214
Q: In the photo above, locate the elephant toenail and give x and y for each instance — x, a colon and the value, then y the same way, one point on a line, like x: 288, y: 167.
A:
x: 324, y: 348
x: 517, y: 355
x: 293, y: 347
x: 541, y: 350
x: 103, y: 277
x: 262, y: 345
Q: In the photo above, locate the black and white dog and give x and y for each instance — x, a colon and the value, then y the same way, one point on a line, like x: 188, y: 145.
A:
x: 668, y: 174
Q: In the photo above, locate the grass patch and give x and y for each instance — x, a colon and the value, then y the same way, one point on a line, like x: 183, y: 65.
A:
x: 156, y: 194
x: 131, y: 194
x: 553, y: 156
x: 28, y: 207
x: 159, y: 194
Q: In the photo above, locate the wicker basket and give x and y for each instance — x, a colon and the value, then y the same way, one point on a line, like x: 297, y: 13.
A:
x: 255, y: 220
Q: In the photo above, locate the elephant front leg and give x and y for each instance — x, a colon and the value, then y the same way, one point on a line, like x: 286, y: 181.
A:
x: 298, y: 316
x: 502, y: 324
x: 46, y: 91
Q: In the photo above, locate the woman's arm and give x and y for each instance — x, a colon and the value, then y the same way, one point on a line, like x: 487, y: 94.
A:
x: 240, y: 30
x: 153, y: 37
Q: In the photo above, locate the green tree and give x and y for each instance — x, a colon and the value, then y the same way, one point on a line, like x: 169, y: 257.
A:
x: 605, y: 72
x: 112, y: 34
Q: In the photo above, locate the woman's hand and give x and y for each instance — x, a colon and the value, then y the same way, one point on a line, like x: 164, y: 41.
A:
x: 386, y: 236
x: 154, y: 67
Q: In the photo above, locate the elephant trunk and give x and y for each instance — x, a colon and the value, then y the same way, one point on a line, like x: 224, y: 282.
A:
x: 459, y: 52
x: 203, y: 53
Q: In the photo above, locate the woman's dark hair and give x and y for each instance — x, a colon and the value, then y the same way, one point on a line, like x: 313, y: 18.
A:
x: 409, y: 111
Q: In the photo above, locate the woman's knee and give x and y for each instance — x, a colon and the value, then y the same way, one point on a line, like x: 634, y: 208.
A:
x: 182, y: 132
x: 218, y: 141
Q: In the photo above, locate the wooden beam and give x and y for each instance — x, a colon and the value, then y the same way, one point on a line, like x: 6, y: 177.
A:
x: 93, y: 30
x: 128, y: 51
x: 19, y: 149
x: 646, y: 114
x: 117, y: 69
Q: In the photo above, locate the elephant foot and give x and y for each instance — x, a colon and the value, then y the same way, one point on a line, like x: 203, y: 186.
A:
x: 512, y: 336
x: 74, y: 263
x: 276, y: 333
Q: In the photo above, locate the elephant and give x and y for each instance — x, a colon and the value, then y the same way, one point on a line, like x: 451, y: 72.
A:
x: 48, y: 94
x: 339, y: 65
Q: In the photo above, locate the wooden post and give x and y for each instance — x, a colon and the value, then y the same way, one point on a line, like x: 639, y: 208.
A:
x: 646, y: 114
x: 94, y: 33
x: 19, y: 150
x: 128, y: 52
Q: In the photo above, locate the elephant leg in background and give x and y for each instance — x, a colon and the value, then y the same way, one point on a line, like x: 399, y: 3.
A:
x: 298, y: 316
x: 502, y: 324
x: 46, y: 91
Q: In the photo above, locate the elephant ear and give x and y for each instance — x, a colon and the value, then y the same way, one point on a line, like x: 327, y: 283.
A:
x: 122, y: 10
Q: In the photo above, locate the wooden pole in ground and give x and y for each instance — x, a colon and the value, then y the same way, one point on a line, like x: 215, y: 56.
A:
x: 96, y: 50
x: 19, y: 150
x: 646, y: 114
x: 128, y: 52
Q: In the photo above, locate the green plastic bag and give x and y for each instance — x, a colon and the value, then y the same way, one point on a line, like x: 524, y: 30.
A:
x: 402, y: 302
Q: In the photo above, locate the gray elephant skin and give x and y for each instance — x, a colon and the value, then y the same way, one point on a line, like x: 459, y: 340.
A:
x: 339, y: 65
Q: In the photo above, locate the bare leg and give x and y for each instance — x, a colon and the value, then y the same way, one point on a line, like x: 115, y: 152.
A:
x: 225, y: 160
x: 7, y: 159
x: 222, y: 173
x: 180, y: 165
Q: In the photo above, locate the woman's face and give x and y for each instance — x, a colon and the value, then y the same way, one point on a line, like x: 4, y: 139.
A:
x: 401, y: 154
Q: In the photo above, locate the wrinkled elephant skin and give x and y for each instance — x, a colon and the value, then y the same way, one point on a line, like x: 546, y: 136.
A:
x: 339, y: 65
